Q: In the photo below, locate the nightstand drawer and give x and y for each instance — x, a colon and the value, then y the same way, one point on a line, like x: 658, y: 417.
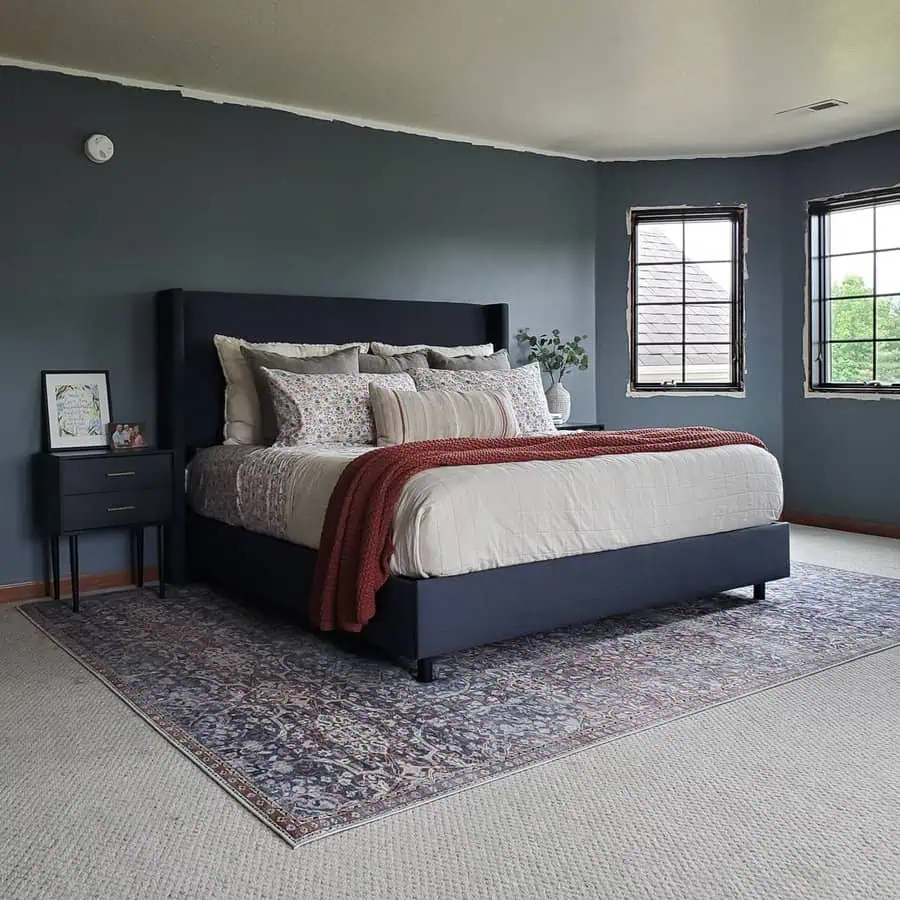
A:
x: 83, y: 512
x: 111, y: 473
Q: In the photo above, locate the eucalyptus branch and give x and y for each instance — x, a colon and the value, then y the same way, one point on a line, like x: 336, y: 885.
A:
x: 555, y: 356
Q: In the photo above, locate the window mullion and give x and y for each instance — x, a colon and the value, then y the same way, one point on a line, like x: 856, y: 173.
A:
x: 635, y: 279
x: 683, y: 302
x: 824, y: 331
x: 874, y: 300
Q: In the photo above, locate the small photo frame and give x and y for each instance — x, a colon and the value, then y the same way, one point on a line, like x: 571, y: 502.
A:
x: 127, y: 436
x: 77, y: 409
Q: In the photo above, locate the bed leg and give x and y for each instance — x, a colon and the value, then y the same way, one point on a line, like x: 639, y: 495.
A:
x: 425, y: 670
x: 759, y: 591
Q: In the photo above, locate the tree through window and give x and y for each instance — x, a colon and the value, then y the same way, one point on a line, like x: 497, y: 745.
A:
x: 854, y: 293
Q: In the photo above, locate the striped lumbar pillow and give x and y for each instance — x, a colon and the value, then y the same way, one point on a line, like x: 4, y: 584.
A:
x: 404, y: 416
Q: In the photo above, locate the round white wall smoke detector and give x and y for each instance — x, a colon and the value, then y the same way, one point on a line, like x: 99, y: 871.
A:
x: 98, y: 148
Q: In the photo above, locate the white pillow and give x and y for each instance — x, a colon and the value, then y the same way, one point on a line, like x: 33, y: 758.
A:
x: 327, y: 409
x: 524, y: 386
x: 404, y: 416
x: 394, y: 350
x: 243, y: 424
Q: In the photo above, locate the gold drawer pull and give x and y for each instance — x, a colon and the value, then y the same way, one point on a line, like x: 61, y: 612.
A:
x: 119, y: 508
x: 119, y: 474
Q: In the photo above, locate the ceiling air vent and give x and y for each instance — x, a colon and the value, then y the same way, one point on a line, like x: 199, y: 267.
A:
x: 826, y: 104
x: 818, y: 106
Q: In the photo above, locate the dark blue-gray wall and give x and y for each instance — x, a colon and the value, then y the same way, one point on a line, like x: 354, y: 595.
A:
x: 230, y: 198
x: 755, y: 181
x: 842, y: 457
x: 200, y: 196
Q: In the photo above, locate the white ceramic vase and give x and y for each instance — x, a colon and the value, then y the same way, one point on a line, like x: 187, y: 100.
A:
x: 559, y: 402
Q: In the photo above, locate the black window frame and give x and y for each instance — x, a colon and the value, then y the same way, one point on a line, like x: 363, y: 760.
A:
x: 738, y: 217
x: 817, y: 284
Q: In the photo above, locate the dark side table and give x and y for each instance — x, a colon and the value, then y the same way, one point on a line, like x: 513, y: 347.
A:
x: 581, y: 426
x: 92, y: 490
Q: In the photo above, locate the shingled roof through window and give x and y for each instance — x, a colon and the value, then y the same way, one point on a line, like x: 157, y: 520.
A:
x: 661, y: 284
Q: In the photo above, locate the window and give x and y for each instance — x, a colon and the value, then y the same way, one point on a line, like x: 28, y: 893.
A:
x: 687, y: 296
x: 854, y: 294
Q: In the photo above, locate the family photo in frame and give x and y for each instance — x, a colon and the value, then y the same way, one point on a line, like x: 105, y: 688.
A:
x: 127, y: 435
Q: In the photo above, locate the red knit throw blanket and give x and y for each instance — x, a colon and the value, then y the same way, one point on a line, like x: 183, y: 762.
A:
x: 356, y: 545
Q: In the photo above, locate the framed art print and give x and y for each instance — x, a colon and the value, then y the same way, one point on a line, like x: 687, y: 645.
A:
x: 77, y: 409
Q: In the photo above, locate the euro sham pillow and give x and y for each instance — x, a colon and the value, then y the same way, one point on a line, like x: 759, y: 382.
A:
x: 404, y: 416
x: 327, y: 409
x: 375, y: 364
x: 242, y: 416
x: 498, y: 360
x: 523, y: 384
x: 395, y: 350
x: 341, y: 362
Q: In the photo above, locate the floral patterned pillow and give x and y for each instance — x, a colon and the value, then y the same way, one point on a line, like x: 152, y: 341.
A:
x: 326, y: 409
x: 523, y: 384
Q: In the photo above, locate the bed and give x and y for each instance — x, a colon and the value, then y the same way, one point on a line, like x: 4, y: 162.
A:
x: 427, y: 608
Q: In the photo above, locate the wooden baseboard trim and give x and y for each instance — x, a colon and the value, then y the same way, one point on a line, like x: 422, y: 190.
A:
x: 839, y: 523
x: 98, y: 581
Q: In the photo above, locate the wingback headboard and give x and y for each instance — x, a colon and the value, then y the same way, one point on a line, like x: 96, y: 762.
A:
x: 190, y: 386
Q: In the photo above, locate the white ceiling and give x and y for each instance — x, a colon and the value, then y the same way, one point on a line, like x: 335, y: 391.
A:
x: 620, y: 79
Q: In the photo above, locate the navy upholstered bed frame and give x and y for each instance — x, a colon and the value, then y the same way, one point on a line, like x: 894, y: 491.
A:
x: 417, y: 619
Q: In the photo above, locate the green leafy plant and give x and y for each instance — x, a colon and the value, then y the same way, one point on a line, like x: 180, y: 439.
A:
x: 555, y: 356
x: 852, y: 326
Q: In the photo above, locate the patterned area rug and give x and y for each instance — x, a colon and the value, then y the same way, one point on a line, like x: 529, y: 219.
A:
x: 315, y: 738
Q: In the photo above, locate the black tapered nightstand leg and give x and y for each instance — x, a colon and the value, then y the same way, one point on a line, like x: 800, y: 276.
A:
x: 759, y: 591
x: 54, y: 564
x: 138, y: 538
x: 161, y: 559
x: 73, y: 569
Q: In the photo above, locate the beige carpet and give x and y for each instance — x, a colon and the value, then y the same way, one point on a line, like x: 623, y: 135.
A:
x: 790, y: 793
